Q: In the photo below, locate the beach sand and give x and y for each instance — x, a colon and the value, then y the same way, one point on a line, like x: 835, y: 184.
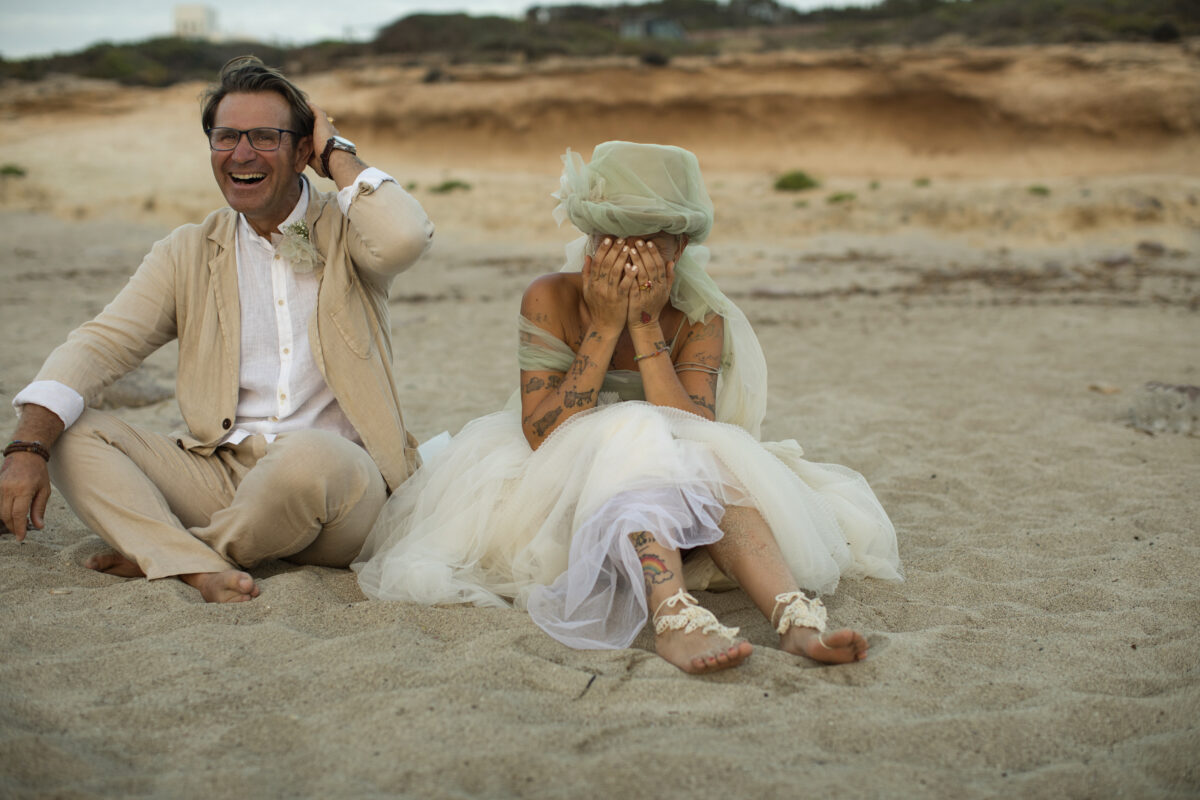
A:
x: 970, y: 331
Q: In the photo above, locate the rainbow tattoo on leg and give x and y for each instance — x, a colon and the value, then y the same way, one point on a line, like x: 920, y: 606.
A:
x: 654, y: 569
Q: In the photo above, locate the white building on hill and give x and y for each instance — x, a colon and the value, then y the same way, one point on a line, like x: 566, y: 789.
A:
x: 196, y: 21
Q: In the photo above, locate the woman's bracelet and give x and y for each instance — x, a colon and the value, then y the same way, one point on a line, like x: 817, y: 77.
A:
x: 657, y: 352
x: 17, y: 446
x: 696, y: 366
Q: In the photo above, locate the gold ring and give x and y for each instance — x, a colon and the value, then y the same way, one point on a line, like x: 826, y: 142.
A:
x: 329, y: 120
x: 647, y: 286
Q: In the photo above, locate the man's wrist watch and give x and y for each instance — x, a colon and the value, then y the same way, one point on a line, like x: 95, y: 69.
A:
x: 336, y: 143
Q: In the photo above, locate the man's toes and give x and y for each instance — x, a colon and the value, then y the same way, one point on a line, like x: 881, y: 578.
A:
x: 99, y: 561
x: 114, y: 564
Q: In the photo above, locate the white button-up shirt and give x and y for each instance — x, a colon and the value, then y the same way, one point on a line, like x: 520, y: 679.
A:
x: 281, y: 388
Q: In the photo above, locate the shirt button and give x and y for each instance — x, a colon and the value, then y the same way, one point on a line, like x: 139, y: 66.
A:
x: 279, y: 301
x: 286, y: 350
x: 226, y: 424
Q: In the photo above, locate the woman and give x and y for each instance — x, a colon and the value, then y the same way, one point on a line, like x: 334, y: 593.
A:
x: 631, y: 445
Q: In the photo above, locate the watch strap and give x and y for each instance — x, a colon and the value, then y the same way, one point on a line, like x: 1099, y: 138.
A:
x: 331, y: 144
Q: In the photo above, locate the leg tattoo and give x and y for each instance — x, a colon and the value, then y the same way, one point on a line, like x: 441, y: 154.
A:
x: 654, y: 569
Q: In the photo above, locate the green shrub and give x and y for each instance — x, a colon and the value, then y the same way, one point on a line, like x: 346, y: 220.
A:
x: 1037, y: 190
x: 12, y: 170
x: 796, y: 181
x: 841, y: 197
x: 449, y: 186
x: 922, y: 182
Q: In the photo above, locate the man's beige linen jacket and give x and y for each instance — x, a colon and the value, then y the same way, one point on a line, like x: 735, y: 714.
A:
x: 187, y: 288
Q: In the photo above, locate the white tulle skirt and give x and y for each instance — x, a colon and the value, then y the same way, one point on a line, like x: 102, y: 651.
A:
x: 488, y: 520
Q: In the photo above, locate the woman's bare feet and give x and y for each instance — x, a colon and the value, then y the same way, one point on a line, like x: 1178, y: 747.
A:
x: 230, y: 586
x: 699, y: 652
x: 837, y: 647
x: 114, y: 564
x: 690, y: 637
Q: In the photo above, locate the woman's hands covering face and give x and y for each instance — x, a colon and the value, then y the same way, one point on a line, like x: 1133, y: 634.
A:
x: 608, y: 282
x: 652, y: 279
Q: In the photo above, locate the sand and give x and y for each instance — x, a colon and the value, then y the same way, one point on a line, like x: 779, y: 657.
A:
x: 970, y: 331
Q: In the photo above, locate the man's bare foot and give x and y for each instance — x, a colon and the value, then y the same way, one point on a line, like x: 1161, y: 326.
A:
x: 837, y: 647
x: 230, y: 586
x: 699, y: 652
x: 114, y: 564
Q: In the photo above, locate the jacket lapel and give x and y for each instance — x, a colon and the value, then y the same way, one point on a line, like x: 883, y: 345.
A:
x: 222, y: 267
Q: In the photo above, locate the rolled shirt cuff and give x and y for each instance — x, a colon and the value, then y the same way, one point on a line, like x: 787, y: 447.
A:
x: 367, y: 181
x: 64, y: 401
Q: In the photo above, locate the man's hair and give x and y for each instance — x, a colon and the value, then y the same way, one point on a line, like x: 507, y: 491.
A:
x: 250, y: 74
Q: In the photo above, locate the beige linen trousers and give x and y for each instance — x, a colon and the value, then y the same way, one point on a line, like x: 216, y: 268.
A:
x: 185, y: 503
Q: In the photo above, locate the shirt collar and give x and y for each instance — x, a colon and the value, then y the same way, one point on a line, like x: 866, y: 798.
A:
x: 246, y: 230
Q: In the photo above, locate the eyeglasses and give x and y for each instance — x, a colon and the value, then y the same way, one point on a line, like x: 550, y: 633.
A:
x: 259, y: 138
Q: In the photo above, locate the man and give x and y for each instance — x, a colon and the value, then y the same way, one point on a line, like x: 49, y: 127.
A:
x: 294, y: 434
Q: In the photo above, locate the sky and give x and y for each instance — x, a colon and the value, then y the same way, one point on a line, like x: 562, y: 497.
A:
x: 36, y: 28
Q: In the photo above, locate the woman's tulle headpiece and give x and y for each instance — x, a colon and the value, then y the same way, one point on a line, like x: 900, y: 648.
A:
x: 631, y: 189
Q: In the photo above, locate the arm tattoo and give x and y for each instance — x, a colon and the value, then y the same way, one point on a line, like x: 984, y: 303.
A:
x: 542, y: 425
x: 554, y: 381
x: 573, y: 399
x: 580, y: 365
x: 534, y: 384
x: 708, y: 331
x: 702, y: 401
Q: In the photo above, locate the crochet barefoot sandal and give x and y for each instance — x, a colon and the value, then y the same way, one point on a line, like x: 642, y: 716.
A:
x: 799, y: 610
x: 691, y: 618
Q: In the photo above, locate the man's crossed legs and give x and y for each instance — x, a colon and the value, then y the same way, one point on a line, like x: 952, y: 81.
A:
x: 309, y: 496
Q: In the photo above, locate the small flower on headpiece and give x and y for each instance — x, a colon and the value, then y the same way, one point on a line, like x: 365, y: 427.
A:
x: 297, y: 248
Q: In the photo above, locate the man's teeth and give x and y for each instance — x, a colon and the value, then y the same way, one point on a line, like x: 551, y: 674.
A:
x: 248, y: 176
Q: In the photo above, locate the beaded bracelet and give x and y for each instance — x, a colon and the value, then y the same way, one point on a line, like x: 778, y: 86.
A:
x: 17, y: 446
x: 657, y: 352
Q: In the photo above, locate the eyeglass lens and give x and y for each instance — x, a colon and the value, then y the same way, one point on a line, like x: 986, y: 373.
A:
x: 260, y: 138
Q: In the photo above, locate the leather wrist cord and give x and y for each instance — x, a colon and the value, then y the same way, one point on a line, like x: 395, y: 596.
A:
x: 18, y: 446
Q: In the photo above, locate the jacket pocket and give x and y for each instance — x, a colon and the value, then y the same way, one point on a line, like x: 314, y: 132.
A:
x: 353, y: 321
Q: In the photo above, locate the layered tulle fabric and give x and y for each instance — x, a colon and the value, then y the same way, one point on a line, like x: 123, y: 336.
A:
x: 488, y: 520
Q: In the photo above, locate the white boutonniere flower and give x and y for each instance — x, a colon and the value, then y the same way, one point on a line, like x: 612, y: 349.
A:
x: 297, y: 248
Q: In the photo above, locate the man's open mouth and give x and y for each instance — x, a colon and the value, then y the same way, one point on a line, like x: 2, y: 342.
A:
x: 247, y: 178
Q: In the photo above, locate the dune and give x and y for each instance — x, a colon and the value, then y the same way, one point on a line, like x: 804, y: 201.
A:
x: 1003, y: 253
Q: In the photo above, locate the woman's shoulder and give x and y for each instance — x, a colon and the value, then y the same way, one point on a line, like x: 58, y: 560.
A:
x: 552, y: 293
x: 556, y: 282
